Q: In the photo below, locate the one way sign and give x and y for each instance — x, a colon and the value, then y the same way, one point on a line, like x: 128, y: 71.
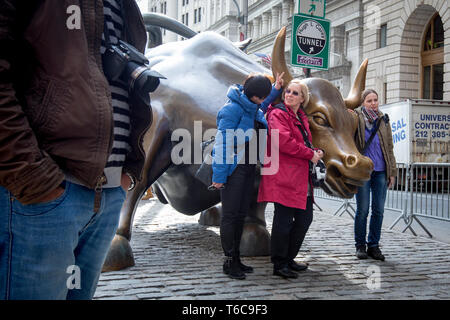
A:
x: 315, y: 8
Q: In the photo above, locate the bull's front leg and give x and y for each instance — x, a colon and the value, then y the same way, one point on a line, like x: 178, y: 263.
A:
x: 255, y: 239
x: 157, y: 144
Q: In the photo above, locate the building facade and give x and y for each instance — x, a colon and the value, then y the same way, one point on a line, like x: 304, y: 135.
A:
x: 407, y: 42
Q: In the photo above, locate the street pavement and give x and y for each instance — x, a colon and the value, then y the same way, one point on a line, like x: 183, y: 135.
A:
x: 176, y: 258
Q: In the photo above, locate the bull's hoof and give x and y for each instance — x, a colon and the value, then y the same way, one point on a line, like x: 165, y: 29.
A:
x: 210, y: 217
x: 120, y: 255
x: 255, y: 240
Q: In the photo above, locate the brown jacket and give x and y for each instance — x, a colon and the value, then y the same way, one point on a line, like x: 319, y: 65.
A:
x: 384, y: 134
x: 55, y: 102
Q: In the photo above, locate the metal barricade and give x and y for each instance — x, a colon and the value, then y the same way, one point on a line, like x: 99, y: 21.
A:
x: 420, y: 190
x: 429, y: 194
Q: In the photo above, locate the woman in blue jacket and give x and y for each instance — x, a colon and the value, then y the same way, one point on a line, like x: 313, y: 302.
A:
x: 233, y: 163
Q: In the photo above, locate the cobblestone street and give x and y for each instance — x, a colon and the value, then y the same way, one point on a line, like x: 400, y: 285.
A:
x: 176, y: 258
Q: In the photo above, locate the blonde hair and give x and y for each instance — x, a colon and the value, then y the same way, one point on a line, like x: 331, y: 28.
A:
x: 303, y: 88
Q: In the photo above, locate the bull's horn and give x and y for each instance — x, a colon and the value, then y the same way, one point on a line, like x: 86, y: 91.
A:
x: 278, y: 59
x: 163, y: 21
x: 354, y: 97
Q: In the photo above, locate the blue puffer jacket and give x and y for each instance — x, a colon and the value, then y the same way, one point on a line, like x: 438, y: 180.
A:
x: 238, y: 113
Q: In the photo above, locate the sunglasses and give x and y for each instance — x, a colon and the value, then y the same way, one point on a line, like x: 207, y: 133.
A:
x: 289, y: 91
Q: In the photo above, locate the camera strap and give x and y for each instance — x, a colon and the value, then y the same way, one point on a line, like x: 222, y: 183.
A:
x: 372, y: 136
x: 105, y: 26
x: 106, y: 33
x: 302, y: 129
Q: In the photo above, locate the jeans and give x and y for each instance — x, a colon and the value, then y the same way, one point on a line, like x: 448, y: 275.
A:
x: 56, y: 249
x: 377, y: 187
x: 236, y: 199
x: 289, y: 229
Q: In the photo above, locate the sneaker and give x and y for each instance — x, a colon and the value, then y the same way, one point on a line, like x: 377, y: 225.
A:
x: 375, y: 253
x: 361, y: 252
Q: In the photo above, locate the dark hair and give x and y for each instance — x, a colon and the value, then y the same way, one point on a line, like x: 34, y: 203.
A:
x: 257, y: 85
x: 366, y: 93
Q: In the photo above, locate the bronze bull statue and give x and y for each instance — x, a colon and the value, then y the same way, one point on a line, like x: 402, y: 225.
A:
x: 199, y: 72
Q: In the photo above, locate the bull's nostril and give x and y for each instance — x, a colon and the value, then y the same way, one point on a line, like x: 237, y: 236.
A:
x: 351, y: 161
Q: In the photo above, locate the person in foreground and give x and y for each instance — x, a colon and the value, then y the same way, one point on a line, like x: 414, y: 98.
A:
x: 290, y: 189
x: 233, y: 169
x: 68, y: 143
x: 380, y: 149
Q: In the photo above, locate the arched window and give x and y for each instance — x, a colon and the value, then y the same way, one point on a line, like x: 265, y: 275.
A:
x: 433, y: 60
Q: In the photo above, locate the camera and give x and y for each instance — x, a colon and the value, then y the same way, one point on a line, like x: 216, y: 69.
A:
x: 124, y: 63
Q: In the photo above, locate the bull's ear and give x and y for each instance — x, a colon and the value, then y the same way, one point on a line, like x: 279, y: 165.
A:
x: 272, y: 79
x: 243, y: 44
x: 354, y: 97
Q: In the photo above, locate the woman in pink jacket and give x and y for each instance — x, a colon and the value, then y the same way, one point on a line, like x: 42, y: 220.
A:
x: 290, y: 187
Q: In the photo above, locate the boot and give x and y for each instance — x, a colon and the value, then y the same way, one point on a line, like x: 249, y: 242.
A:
x: 361, y: 252
x: 232, y: 269
x: 244, y: 268
x: 375, y: 253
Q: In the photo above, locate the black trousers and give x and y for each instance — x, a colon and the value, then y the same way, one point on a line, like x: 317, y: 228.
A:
x: 289, y: 228
x: 236, y: 199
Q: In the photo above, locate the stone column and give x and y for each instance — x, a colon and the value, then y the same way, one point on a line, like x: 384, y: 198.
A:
x: 218, y: 11
x: 275, y: 20
x: 250, y: 30
x: 256, y: 27
x: 285, y: 12
x: 265, y: 24
x: 172, y: 11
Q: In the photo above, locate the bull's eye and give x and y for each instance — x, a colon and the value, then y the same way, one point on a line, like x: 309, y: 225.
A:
x: 320, y: 119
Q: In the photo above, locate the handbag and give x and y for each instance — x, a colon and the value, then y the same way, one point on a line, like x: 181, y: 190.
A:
x: 317, y: 171
x: 205, y: 172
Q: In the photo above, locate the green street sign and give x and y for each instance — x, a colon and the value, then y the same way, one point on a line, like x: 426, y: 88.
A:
x: 310, y: 42
x: 312, y: 7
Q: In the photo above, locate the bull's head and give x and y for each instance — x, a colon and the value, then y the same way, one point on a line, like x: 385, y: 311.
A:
x: 332, y: 126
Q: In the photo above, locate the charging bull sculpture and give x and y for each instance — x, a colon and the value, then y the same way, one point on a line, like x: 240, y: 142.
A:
x: 199, y: 72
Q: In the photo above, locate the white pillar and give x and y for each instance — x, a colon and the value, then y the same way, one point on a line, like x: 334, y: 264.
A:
x: 256, y: 27
x: 275, y: 20
x: 265, y: 24
x: 285, y: 12
x: 172, y: 11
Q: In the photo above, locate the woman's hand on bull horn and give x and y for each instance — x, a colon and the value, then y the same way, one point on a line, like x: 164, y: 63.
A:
x: 279, y: 81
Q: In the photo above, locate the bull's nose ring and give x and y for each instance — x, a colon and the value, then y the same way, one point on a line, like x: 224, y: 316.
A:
x: 351, y: 161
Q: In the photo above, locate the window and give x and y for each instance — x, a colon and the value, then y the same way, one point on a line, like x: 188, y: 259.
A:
x: 195, y: 16
x: 187, y: 19
x: 199, y: 14
x: 433, y: 60
x: 382, y: 36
